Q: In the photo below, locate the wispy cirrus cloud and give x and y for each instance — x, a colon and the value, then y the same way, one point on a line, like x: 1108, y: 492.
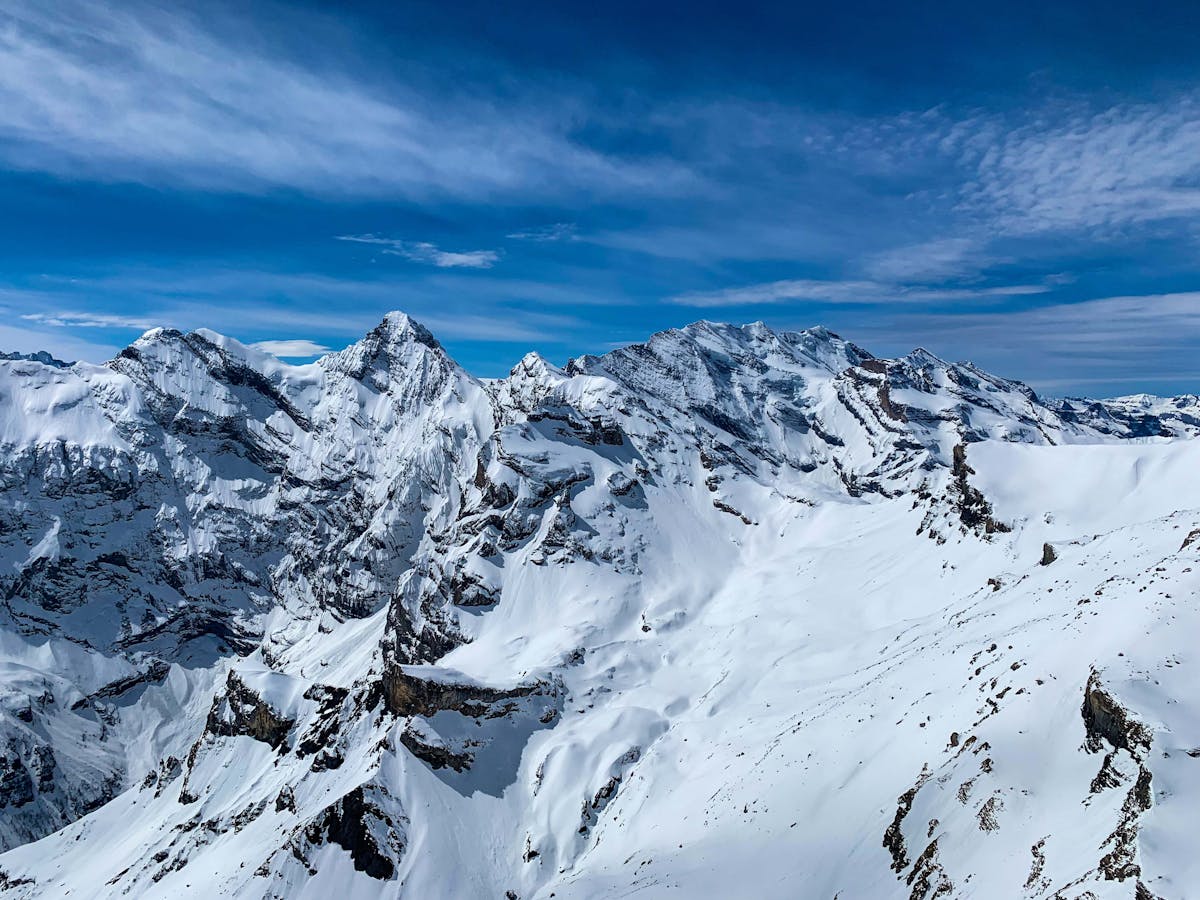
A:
x: 426, y: 252
x: 1074, y: 166
x: 156, y: 94
x: 559, y: 231
x: 298, y: 348
x: 930, y: 261
x: 503, y: 325
x: 1145, y: 323
x: 1066, y: 163
x: 848, y: 292
x: 91, y: 320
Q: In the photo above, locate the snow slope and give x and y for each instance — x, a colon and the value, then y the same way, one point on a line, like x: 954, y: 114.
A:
x: 728, y: 613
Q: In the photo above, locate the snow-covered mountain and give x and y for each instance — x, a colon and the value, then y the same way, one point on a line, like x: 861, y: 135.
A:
x: 728, y: 613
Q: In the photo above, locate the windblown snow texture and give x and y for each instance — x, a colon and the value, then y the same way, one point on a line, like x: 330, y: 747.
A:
x: 729, y: 613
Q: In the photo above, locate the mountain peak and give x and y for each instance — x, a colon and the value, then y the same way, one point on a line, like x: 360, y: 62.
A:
x: 157, y: 334
x: 533, y: 363
x: 398, y: 348
x: 399, y: 327
x: 922, y: 357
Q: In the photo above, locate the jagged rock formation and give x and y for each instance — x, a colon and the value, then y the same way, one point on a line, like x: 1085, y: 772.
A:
x: 1139, y: 415
x: 40, y: 356
x: 650, y: 620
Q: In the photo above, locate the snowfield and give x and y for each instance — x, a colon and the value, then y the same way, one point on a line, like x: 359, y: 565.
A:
x: 732, y: 613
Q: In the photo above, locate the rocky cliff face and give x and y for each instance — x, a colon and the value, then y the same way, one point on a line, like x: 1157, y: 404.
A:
x: 297, y: 621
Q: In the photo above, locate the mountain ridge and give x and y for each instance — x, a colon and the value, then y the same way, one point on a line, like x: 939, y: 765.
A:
x: 376, y: 585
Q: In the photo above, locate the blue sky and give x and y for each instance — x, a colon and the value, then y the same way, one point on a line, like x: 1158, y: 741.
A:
x: 1016, y: 187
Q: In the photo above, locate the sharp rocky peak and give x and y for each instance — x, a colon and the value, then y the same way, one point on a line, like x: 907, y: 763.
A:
x: 398, y: 344
x: 400, y: 328
x: 533, y: 363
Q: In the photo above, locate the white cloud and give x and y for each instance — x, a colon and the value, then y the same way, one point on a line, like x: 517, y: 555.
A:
x: 147, y: 92
x: 297, y: 347
x: 849, y: 292
x: 941, y: 294
x: 425, y: 252
x: 1135, y: 322
x: 559, y: 231
x: 1070, y: 166
x: 91, y: 320
x: 934, y: 260
x: 1077, y: 166
x: 150, y: 93
x: 422, y: 251
x: 780, y: 292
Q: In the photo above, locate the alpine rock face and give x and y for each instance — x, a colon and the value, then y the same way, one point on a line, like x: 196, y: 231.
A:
x: 728, y: 613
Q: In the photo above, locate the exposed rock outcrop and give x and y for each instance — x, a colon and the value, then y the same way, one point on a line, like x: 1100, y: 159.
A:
x: 240, y: 711
x: 366, y: 824
x: 411, y: 695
